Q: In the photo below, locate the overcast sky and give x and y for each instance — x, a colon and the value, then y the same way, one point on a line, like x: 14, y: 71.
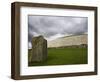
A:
x: 52, y: 27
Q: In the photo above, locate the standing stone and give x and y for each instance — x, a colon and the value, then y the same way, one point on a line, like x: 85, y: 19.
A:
x: 39, y: 49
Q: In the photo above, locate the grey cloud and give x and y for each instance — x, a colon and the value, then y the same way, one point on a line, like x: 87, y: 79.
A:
x: 51, y: 25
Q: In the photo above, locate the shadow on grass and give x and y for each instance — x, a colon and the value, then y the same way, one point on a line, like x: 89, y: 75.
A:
x: 50, y: 58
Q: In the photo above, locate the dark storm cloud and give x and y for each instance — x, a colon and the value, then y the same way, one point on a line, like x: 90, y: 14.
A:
x: 49, y: 26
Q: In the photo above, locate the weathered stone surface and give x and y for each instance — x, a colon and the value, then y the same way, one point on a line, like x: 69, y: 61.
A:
x: 39, y: 49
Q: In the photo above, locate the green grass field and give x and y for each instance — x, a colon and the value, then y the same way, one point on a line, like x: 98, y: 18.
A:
x: 64, y: 56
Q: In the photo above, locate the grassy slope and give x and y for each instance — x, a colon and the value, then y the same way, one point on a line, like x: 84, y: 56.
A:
x: 64, y: 56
